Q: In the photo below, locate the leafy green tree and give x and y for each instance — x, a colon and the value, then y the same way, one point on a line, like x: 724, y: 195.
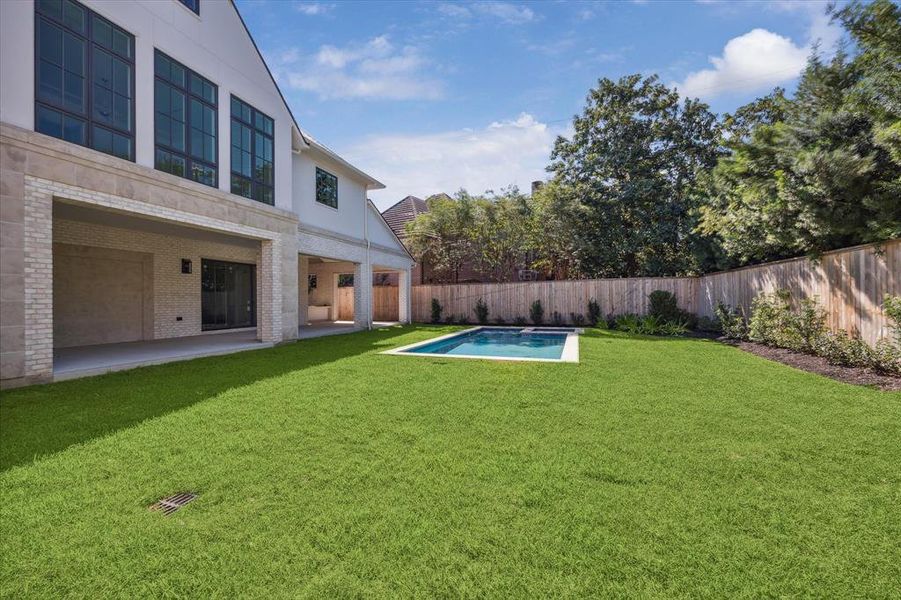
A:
x: 822, y: 170
x: 552, y: 245
x: 442, y: 237
x: 632, y: 165
x: 500, y: 232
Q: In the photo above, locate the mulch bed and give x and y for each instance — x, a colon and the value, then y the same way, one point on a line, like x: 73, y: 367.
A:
x: 816, y: 364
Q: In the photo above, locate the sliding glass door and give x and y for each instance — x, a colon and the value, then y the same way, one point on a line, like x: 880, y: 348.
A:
x: 228, y: 298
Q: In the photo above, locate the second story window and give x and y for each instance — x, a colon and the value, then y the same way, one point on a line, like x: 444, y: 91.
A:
x: 185, y: 122
x: 326, y: 188
x: 192, y: 4
x: 84, y: 71
x: 252, y: 151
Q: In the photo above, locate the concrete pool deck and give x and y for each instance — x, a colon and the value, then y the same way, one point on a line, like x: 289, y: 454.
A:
x: 569, y: 353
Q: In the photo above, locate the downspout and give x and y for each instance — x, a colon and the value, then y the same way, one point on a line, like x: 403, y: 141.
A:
x: 368, y: 263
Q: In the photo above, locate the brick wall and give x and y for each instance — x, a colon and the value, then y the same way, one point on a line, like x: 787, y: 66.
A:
x: 174, y: 294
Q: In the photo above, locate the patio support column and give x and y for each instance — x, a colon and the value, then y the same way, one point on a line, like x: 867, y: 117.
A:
x: 404, y: 292
x: 303, y: 289
x: 269, y: 313
x: 362, y: 295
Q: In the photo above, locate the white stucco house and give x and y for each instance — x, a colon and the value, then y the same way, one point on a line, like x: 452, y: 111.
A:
x: 159, y: 199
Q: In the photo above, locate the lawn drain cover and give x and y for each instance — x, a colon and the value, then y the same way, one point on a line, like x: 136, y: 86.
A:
x: 172, y: 503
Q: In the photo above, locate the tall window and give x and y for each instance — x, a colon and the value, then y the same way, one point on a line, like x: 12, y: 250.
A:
x: 326, y: 188
x: 185, y: 122
x: 192, y: 4
x: 252, y: 148
x: 84, y: 74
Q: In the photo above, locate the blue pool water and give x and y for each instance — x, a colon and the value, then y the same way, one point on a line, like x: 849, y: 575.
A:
x: 507, y: 343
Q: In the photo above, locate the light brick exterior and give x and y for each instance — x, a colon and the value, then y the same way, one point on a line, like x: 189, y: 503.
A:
x: 362, y: 295
x: 38, y: 245
x: 174, y: 294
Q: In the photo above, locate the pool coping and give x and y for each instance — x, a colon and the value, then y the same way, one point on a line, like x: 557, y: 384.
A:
x: 570, y: 353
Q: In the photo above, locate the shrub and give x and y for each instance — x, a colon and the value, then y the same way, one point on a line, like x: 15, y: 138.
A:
x: 449, y: 319
x: 663, y: 305
x: 808, y: 326
x: 577, y: 319
x: 731, y: 322
x: 675, y: 328
x: 536, y: 313
x: 710, y: 325
x: 557, y: 319
x: 520, y: 321
x: 886, y: 357
x: 499, y: 321
x: 594, y: 313
x: 481, y: 310
x: 841, y: 349
x: 437, y: 309
x: 770, y: 316
x: 630, y: 323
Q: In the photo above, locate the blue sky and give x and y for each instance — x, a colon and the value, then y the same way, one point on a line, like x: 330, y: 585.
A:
x: 435, y: 96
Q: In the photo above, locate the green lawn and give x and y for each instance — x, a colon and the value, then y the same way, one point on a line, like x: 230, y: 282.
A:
x: 654, y: 468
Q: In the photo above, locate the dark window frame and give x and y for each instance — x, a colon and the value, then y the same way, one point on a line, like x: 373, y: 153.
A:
x: 255, y: 183
x: 212, y: 262
x: 90, y: 44
x: 187, y: 4
x: 186, y: 154
x: 323, y: 172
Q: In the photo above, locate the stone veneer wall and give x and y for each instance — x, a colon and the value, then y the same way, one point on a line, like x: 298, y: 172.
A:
x: 174, y: 294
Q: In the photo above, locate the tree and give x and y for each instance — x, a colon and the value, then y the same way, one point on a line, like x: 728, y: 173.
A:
x: 442, y: 237
x: 553, y: 246
x: 632, y: 165
x: 822, y: 170
x: 499, y: 234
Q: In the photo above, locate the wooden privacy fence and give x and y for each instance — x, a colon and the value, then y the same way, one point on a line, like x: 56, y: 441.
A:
x: 849, y: 283
x: 384, y: 303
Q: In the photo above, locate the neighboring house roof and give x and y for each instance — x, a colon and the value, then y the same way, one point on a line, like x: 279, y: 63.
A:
x: 402, y: 213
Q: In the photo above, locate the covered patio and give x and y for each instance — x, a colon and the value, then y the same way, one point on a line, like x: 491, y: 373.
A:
x: 81, y: 361
x: 323, y: 328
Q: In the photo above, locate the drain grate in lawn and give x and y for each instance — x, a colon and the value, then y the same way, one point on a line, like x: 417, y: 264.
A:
x: 172, y: 503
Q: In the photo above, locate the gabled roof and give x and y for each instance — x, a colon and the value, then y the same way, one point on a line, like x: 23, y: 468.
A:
x: 402, y: 213
x: 304, y: 139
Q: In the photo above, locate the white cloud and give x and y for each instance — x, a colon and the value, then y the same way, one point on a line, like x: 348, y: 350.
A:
x: 314, y: 8
x: 506, y: 12
x: 759, y: 59
x: 514, y: 151
x: 374, y: 70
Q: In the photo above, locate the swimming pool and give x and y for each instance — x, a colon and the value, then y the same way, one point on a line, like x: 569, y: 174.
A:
x: 557, y: 344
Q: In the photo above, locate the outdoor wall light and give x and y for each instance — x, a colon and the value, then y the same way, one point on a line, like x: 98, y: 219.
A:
x: 186, y: 266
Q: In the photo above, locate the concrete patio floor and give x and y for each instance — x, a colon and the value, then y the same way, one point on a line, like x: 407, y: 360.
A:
x: 321, y: 328
x: 82, y: 361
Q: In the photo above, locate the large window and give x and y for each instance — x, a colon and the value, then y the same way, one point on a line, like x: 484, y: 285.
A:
x: 326, y: 188
x: 192, y: 4
x: 84, y: 78
x: 185, y: 122
x: 252, y: 148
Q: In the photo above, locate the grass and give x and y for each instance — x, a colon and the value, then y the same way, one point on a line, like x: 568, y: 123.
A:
x: 654, y: 468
